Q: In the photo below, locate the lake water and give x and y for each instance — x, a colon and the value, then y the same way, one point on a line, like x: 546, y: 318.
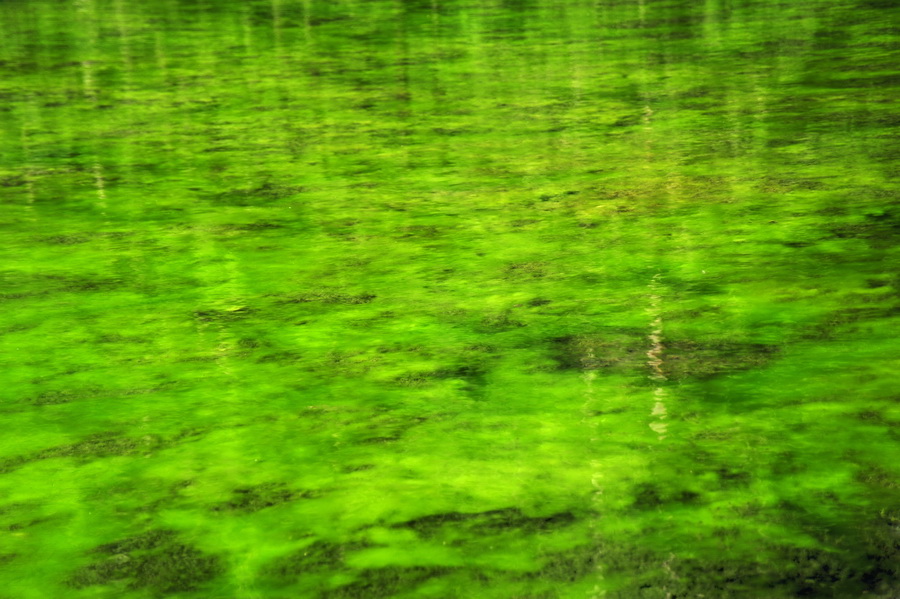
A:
x: 476, y: 299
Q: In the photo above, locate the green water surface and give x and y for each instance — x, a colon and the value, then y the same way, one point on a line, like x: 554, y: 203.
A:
x: 469, y: 299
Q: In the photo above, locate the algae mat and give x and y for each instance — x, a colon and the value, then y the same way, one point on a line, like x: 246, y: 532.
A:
x: 452, y: 298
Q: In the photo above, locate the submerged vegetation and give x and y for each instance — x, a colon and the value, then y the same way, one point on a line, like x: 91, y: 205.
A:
x: 457, y: 299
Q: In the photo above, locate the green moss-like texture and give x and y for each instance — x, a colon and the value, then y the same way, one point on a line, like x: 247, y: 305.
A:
x: 449, y: 299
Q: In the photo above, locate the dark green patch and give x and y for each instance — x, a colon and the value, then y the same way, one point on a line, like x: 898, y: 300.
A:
x: 149, y: 540
x: 539, y: 301
x: 331, y: 297
x: 694, y: 359
x: 622, y: 350
x: 261, y: 195
x: 489, y: 522
x: 473, y: 374
x: 570, y: 565
x: 223, y: 315
x: 649, y: 496
x: 520, y: 271
x: 100, y: 445
x: 253, y: 227
x: 385, y: 582
x: 253, y: 499
x: 65, y: 239
x: 318, y: 555
x: 617, y: 351
x: 498, y: 323
x: 154, y: 560
x: 56, y: 397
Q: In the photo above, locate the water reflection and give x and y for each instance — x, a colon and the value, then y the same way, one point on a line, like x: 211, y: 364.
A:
x: 655, y: 361
x: 386, y: 298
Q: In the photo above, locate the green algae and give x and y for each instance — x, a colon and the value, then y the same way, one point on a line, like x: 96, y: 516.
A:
x: 501, y: 298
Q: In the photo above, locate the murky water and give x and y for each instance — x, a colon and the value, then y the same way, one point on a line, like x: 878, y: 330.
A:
x: 457, y: 298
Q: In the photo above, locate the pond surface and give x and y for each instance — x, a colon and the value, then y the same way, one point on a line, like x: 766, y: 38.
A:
x: 451, y: 299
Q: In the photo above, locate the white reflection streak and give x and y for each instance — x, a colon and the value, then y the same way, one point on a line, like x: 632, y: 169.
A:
x: 655, y: 361
x: 100, y: 181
